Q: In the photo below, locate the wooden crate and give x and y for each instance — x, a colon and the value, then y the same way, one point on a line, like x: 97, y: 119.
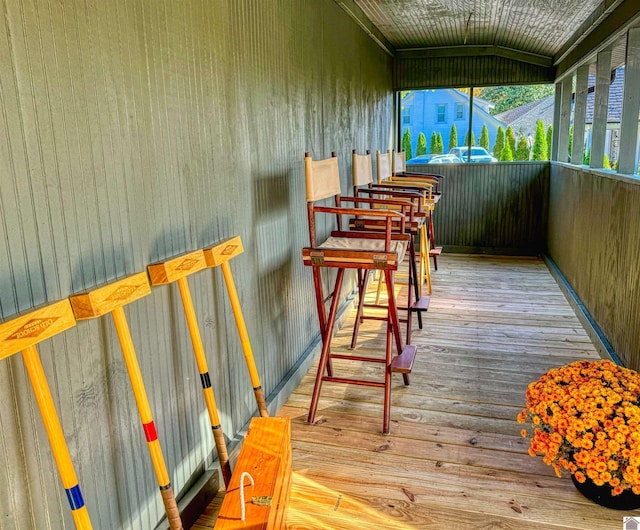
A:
x: 266, y: 456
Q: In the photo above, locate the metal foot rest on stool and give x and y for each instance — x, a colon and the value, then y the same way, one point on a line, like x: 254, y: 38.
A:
x: 266, y: 457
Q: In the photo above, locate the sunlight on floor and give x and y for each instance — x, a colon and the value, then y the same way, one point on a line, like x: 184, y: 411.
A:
x: 316, y: 506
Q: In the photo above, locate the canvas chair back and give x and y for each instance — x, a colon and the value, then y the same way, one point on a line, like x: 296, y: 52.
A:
x: 322, y: 178
x: 362, y: 173
x: 399, y: 163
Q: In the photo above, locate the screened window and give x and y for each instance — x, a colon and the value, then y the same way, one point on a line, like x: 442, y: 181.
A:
x: 509, y: 114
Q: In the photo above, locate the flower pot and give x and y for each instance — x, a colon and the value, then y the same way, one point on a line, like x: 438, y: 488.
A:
x: 601, y: 495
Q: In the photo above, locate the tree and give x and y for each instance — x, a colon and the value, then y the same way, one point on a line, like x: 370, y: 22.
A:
x: 421, y: 148
x: 453, y: 138
x: 433, y: 144
x: 522, y: 151
x: 549, y: 141
x: 506, y: 155
x: 497, y: 148
x: 540, y: 149
x: 406, y: 144
x: 570, y: 141
x: 484, y: 137
x: 605, y: 162
x: 440, y: 144
x: 466, y: 138
x: 510, y: 136
x: 509, y: 97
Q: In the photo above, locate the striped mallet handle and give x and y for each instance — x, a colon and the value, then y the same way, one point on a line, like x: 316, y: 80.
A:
x: 56, y: 437
x: 207, y: 390
x: 244, y: 339
x: 22, y: 334
x: 157, y: 459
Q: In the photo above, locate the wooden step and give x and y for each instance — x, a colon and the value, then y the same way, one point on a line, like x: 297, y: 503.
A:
x: 435, y: 251
x: 421, y: 304
x: 403, y: 363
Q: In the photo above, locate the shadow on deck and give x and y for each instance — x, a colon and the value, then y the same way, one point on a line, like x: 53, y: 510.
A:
x: 454, y: 458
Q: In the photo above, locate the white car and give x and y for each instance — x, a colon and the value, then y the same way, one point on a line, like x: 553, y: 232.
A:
x: 478, y: 154
x: 445, y: 159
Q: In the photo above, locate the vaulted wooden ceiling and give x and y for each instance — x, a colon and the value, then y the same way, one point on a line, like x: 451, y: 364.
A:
x: 542, y: 32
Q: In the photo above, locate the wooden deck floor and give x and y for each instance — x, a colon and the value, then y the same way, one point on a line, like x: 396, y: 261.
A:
x: 454, y: 458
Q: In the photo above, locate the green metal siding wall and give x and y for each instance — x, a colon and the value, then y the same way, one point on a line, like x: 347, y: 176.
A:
x: 500, y: 207
x: 456, y: 72
x: 135, y: 131
x: 595, y: 241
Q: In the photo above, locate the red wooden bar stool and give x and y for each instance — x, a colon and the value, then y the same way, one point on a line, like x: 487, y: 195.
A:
x: 362, y: 178
x: 353, y: 250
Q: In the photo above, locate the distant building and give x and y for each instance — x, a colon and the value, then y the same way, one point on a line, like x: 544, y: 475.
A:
x: 436, y: 110
x: 523, y: 119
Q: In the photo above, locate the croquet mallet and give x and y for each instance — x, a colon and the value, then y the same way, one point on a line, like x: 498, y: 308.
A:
x: 22, y: 334
x: 219, y: 255
x: 176, y: 270
x: 111, y: 298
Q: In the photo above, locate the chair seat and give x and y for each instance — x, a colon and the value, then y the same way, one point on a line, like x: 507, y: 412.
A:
x: 368, y: 245
x: 355, y: 253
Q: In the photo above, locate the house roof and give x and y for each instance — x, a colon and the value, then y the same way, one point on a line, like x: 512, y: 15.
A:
x: 524, y: 117
x: 616, y: 92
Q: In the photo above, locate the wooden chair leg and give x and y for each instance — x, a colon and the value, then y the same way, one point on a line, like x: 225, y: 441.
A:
x: 363, y: 277
x: 393, y: 309
x: 432, y: 240
x: 413, y: 282
x: 386, y: 422
x: 424, y: 262
x: 322, y: 316
x: 326, y: 345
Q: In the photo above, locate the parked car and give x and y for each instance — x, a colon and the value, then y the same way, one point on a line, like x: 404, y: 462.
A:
x: 445, y: 159
x: 420, y: 159
x: 478, y: 154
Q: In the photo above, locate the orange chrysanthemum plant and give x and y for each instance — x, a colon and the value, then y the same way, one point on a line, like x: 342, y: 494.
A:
x: 584, y: 418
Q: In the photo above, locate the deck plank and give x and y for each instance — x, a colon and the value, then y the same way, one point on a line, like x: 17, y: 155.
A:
x: 454, y: 458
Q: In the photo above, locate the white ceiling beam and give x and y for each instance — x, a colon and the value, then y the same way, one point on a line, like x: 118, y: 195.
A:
x: 609, y: 29
x: 475, y: 51
x: 354, y: 11
x: 595, y: 18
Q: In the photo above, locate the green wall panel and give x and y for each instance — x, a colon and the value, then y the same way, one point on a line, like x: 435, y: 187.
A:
x: 135, y: 131
x: 594, y: 240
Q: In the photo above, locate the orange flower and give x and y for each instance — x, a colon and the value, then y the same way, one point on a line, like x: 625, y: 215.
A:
x: 586, y: 419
